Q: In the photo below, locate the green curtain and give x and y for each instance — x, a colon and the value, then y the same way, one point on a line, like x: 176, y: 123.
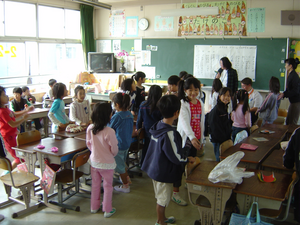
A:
x: 87, y: 31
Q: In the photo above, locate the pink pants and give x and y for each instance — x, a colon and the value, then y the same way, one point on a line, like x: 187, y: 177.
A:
x: 97, y: 175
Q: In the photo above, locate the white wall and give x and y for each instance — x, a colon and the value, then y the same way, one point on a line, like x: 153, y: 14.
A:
x: 273, y: 27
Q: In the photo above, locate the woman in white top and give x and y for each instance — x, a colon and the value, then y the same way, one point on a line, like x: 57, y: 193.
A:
x: 80, y: 109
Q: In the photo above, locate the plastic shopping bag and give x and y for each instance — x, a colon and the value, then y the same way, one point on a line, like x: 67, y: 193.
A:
x: 226, y: 171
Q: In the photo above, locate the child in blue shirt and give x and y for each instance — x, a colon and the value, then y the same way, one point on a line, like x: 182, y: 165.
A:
x: 57, y: 113
x: 122, y: 123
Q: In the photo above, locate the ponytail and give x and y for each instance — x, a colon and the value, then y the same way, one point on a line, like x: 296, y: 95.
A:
x: 122, y: 99
x: 241, y: 95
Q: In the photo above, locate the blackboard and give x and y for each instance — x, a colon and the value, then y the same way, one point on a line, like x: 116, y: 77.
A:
x: 175, y: 55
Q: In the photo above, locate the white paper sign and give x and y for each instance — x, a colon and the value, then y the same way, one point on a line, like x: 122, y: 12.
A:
x: 104, y: 46
x: 207, y: 60
x: 146, y: 57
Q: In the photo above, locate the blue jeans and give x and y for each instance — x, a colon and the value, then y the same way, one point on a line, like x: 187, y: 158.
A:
x: 217, y: 151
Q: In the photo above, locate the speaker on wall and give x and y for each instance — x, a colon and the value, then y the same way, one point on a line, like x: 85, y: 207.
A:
x: 290, y: 17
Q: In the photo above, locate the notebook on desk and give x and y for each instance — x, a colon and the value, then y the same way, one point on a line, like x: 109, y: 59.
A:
x: 248, y: 147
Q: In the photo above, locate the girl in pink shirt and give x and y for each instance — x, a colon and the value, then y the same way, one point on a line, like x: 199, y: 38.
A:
x: 240, y: 115
x: 103, y: 144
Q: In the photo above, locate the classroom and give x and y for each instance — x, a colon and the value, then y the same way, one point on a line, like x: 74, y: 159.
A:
x: 50, y: 49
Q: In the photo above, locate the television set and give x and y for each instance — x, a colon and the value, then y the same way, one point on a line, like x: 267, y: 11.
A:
x: 101, y: 62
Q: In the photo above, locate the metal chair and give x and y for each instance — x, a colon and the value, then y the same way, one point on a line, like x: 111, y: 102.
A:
x: 19, y: 180
x: 135, y: 147
x: 67, y: 176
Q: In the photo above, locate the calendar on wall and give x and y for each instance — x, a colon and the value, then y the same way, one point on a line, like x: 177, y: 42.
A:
x: 207, y: 60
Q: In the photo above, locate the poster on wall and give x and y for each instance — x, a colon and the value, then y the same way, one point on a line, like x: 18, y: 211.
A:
x: 256, y: 19
x: 164, y: 23
x: 207, y: 60
x: 103, y: 46
x: 231, y: 20
x: 132, y: 26
x: 294, y: 50
x: 117, y: 23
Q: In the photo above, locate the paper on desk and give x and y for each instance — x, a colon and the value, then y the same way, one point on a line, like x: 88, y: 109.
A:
x: 260, y: 139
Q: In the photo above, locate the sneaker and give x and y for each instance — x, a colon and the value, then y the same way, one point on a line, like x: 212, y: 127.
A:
x: 121, y: 188
x: 179, y: 200
x: 97, y: 210
x: 170, y: 219
x: 109, y: 214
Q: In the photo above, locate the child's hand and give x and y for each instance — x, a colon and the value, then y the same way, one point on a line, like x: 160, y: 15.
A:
x: 196, y: 143
x: 71, y: 122
x: 62, y: 127
x: 256, y: 112
x: 25, y: 116
x: 132, y: 112
x: 191, y: 159
x: 84, y: 124
x: 29, y: 109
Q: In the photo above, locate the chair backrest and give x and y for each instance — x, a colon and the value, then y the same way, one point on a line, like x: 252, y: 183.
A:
x: 253, y: 128
x: 81, y: 158
x: 28, y: 137
x: 282, y: 112
x: 225, y: 145
x: 140, y: 134
x: 5, y: 164
x: 191, y: 166
x: 240, y: 136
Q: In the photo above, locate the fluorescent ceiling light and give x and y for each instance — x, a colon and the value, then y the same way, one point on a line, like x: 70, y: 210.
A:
x: 203, y: 11
x: 94, y: 3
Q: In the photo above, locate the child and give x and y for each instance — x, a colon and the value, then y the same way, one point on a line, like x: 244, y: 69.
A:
x: 268, y: 111
x: 26, y: 94
x: 219, y: 121
x: 173, y: 85
x: 49, y: 95
x: 103, y: 144
x: 8, y: 125
x: 19, y: 104
x: 164, y: 160
x: 291, y: 158
x: 128, y: 86
x: 149, y: 114
x: 216, y: 87
x: 57, y: 113
x: 240, y: 115
x: 182, y: 74
x: 80, y: 109
x: 122, y: 123
x: 191, y: 117
x: 140, y: 78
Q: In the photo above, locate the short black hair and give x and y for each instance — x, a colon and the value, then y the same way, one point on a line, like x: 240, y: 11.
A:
x: 2, y: 89
x: 182, y: 74
x: 17, y: 90
x: 25, y: 88
x: 173, y: 80
x: 247, y: 81
x: 122, y: 99
x: 58, y: 90
x: 226, y: 63
x: 274, y: 85
x: 77, y: 89
x: 168, y: 105
x: 51, y: 82
x: 293, y: 62
x: 138, y: 75
x: 126, y: 84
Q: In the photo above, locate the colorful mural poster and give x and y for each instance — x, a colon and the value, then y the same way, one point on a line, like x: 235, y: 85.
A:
x: 164, y: 23
x: 294, y: 50
x: 231, y: 20
x: 117, y: 23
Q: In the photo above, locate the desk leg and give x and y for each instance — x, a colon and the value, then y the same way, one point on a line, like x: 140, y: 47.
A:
x: 45, y: 199
x: 46, y: 125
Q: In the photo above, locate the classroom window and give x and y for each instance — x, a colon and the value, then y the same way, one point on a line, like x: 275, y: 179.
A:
x: 20, y: 19
x: 1, y: 19
x: 72, y: 24
x: 51, y: 22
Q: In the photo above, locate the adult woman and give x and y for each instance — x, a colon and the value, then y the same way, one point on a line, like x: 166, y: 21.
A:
x: 228, y: 75
x: 292, y: 91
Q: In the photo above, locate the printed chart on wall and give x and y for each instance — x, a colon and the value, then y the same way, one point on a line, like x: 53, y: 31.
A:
x: 207, y: 60
x: 231, y: 20
x: 117, y: 23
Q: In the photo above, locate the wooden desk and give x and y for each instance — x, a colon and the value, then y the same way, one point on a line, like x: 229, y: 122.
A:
x: 253, y: 159
x: 268, y: 195
x: 67, y: 148
x: 98, y: 97
x: 81, y: 137
x: 67, y: 100
x: 292, y: 128
x: 65, y: 134
x: 40, y: 113
x: 217, y: 194
x: 274, y: 162
x: 38, y: 105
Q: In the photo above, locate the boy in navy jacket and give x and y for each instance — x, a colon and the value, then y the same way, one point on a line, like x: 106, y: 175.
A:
x: 291, y: 158
x: 164, y: 158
